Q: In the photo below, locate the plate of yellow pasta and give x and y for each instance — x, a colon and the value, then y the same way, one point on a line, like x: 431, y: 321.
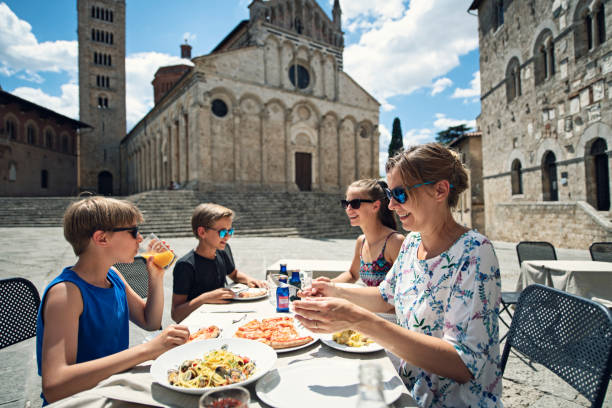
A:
x: 199, y: 366
x: 351, y: 341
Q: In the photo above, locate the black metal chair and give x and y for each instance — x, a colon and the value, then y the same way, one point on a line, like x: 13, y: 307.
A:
x: 526, y: 251
x: 19, y: 303
x: 568, y: 334
x: 136, y: 275
x: 601, y: 251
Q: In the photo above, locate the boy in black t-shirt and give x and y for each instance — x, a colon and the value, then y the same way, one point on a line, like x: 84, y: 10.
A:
x: 199, y: 276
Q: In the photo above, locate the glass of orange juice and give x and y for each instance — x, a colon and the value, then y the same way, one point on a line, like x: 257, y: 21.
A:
x: 151, y: 245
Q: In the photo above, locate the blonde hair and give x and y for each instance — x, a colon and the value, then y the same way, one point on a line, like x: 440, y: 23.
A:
x: 431, y: 162
x: 375, y: 190
x: 205, y: 215
x: 84, y: 217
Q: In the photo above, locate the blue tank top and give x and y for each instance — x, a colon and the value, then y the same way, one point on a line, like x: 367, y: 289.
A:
x: 104, y: 323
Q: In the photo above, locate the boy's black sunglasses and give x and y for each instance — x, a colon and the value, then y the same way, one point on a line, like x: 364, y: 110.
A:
x: 354, y: 203
x: 132, y: 230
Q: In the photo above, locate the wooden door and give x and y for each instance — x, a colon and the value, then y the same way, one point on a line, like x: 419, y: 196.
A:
x: 303, y: 171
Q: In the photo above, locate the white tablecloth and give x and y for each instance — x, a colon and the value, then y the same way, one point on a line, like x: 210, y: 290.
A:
x: 136, y: 386
x: 589, y: 279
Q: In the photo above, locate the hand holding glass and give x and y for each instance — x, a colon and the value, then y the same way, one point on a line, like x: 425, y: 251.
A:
x: 155, y: 247
x: 306, y: 279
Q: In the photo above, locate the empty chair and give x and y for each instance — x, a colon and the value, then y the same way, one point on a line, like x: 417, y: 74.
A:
x: 601, y: 251
x: 136, y: 275
x: 19, y: 302
x: 568, y: 334
x: 526, y: 251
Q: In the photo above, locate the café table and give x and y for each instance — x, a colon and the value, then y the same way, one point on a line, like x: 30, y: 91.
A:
x: 589, y: 279
x: 319, y: 267
x: 136, y: 386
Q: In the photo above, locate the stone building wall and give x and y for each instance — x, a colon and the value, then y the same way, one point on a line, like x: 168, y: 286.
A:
x: 33, y: 141
x: 101, y: 33
x: 561, y: 105
x: 239, y: 120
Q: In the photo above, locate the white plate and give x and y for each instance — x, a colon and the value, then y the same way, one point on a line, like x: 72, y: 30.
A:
x: 370, y: 348
x: 252, y: 290
x: 302, y: 331
x: 262, y: 355
x: 328, y: 383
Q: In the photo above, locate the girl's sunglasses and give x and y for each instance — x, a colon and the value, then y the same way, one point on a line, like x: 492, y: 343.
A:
x: 400, y: 194
x: 355, y: 203
x: 223, y: 232
x: 131, y: 230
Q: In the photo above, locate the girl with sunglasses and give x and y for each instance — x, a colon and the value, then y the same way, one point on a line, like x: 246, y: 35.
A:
x: 444, y: 287
x: 366, y: 206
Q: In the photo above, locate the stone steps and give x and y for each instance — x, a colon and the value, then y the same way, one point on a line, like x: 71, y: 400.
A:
x: 168, y: 213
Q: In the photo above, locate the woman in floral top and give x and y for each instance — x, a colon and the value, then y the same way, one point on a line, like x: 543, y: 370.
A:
x: 444, y: 285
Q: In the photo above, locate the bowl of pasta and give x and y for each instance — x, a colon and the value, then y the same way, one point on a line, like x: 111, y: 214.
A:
x: 196, y: 367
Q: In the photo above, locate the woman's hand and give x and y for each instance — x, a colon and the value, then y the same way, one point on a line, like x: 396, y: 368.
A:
x: 322, y: 279
x: 320, y: 288
x: 172, y: 336
x: 328, y: 315
x: 255, y: 283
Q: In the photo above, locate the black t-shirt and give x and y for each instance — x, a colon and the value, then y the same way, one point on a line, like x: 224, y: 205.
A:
x: 193, y: 274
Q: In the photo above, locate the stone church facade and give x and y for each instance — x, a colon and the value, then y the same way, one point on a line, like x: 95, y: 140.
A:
x: 270, y: 108
x: 546, y: 119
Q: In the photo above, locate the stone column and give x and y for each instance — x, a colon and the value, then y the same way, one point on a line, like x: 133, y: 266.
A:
x: 237, y: 113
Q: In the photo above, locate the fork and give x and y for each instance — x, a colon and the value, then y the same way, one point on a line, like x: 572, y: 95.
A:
x: 237, y: 320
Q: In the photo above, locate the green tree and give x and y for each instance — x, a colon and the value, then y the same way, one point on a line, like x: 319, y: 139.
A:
x: 450, y: 134
x: 397, y: 143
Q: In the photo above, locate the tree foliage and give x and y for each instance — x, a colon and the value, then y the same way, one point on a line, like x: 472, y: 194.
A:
x: 453, y: 132
x: 397, y: 143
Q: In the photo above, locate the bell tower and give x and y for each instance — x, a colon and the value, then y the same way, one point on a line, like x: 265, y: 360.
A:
x: 101, y: 34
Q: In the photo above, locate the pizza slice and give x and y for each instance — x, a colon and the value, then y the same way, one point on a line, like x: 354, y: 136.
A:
x: 203, y: 333
x: 277, y: 332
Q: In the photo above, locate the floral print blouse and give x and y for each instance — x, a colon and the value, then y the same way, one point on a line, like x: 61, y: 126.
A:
x: 454, y: 296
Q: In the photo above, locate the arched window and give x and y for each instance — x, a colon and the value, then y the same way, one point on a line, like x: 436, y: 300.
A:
x: 93, y: 35
x: 516, y: 177
x: 544, y: 57
x: 600, y: 20
x: 11, y: 129
x: 498, y: 13
x: 550, y: 188
x: 299, y: 76
x: 93, y: 12
x: 111, y: 38
x: 49, y: 136
x: 513, y: 79
x: 111, y: 16
x: 109, y: 61
x: 65, y: 144
x: 31, y: 134
x: 44, y: 179
x: 583, y: 29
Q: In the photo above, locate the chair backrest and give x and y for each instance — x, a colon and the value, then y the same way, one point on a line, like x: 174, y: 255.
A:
x: 136, y: 275
x: 568, y: 334
x: 601, y: 251
x: 535, y: 250
x: 19, y: 302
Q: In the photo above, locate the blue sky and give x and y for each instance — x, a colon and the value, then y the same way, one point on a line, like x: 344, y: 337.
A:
x: 419, y: 58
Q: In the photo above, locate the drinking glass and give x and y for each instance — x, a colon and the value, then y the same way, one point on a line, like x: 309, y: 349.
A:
x: 306, y: 279
x: 151, y: 245
x: 235, y: 397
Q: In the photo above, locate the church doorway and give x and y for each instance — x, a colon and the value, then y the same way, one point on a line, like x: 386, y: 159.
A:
x: 599, y: 161
x: 105, y: 183
x: 303, y: 171
x: 550, y: 188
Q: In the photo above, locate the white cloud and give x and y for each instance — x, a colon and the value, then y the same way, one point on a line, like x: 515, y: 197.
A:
x: 409, y: 48
x: 382, y: 161
x: 140, y: 69
x: 472, y: 91
x: 443, y: 123
x: 418, y: 136
x: 359, y: 14
x: 20, y: 51
x: 189, y: 37
x: 66, y: 104
x: 440, y: 85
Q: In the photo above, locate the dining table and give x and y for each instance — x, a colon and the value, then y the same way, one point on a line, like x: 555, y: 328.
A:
x: 589, y: 279
x: 320, y: 267
x: 137, y: 388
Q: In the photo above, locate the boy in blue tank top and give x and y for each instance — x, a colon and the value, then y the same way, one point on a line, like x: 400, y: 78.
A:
x: 82, y: 333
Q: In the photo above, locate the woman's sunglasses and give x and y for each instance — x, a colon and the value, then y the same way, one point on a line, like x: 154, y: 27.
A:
x: 223, y: 232
x: 131, y: 230
x: 355, y: 203
x: 400, y: 194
